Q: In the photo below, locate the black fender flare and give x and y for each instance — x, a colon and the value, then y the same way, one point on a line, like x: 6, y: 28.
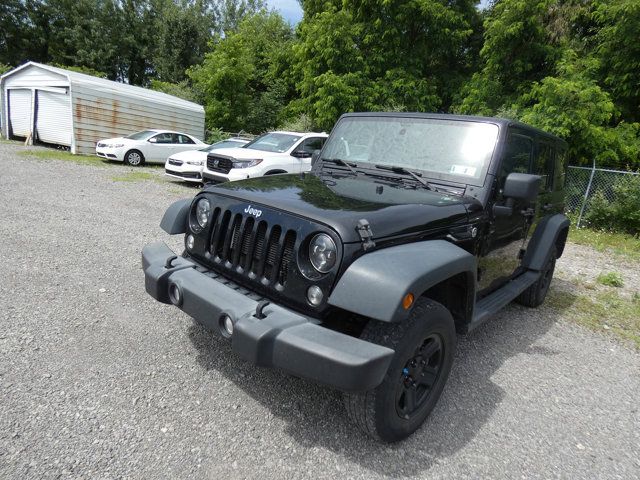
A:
x: 175, y: 218
x: 375, y: 284
x: 551, y: 230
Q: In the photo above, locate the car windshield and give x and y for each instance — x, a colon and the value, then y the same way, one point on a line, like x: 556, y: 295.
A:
x: 223, y: 144
x: 273, y: 142
x: 143, y: 135
x: 452, y: 150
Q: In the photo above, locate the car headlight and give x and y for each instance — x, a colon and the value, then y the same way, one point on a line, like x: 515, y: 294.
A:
x: 246, y: 163
x: 322, y: 252
x: 195, y: 162
x: 203, y: 213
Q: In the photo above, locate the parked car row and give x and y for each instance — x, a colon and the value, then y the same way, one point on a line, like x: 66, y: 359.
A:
x: 188, y: 159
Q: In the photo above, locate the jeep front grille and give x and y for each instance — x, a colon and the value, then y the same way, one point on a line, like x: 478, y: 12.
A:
x: 252, y: 247
x: 218, y: 163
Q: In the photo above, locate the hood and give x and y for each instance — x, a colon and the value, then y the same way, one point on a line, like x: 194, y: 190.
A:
x: 116, y: 140
x: 244, y: 153
x: 190, y: 155
x: 340, y: 202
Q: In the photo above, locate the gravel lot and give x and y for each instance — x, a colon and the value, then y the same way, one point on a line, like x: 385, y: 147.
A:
x: 97, y: 380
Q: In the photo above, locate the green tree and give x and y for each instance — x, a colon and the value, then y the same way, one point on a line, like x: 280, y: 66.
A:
x: 519, y: 49
x: 244, y: 78
x: 182, y: 32
x: 618, y: 49
x: 366, y: 55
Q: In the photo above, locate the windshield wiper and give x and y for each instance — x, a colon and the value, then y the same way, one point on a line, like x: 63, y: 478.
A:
x: 404, y: 171
x: 339, y: 161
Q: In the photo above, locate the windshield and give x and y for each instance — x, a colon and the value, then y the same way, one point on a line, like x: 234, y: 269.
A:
x: 273, y: 142
x: 223, y: 144
x: 141, y: 135
x: 447, y: 149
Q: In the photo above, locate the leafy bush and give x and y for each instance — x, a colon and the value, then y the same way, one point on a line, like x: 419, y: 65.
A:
x: 214, y: 135
x: 301, y: 123
x: 621, y: 214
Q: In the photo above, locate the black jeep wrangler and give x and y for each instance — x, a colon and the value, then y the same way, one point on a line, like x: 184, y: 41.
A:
x: 409, y: 228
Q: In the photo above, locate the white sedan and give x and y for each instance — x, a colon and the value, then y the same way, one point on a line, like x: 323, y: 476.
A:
x: 188, y: 165
x: 153, y: 146
x: 271, y: 153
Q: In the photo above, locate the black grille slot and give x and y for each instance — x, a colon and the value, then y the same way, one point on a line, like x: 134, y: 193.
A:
x: 272, y: 252
x: 251, y: 248
x: 287, y: 256
x: 218, y: 163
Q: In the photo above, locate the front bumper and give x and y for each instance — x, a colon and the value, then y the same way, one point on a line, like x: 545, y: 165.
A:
x: 233, y: 175
x: 110, y: 153
x: 282, y: 339
x: 188, y: 175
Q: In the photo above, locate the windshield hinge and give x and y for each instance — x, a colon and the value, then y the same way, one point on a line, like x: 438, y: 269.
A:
x: 366, y: 235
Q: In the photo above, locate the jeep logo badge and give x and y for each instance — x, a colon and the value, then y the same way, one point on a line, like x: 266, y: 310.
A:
x: 253, y: 211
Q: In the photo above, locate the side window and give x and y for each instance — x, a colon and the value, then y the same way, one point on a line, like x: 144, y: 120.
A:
x: 517, y: 156
x: 544, y: 165
x: 185, y: 139
x: 311, y: 144
x: 164, y: 138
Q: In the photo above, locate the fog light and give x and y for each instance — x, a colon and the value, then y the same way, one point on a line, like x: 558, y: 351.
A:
x: 314, y: 295
x: 190, y: 242
x: 175, y: 294
x: 226, y: 325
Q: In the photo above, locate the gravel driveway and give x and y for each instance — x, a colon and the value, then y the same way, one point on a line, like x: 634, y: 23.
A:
x: 97, y: 380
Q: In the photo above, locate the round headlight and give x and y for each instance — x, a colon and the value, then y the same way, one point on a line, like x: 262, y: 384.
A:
x: 203, y: 212
x: 322, y: 252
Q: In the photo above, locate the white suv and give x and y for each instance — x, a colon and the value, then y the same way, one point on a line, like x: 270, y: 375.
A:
x: 271, y: 153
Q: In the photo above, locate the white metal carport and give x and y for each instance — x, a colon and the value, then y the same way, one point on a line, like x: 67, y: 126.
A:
x: 63, y: 107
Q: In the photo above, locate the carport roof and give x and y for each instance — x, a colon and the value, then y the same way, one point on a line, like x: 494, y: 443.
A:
x: 109, y: 85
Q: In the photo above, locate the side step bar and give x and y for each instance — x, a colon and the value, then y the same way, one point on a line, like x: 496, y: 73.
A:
x: 495, y: 301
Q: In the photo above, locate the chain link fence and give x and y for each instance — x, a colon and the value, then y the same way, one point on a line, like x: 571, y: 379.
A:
x: 582, y: 183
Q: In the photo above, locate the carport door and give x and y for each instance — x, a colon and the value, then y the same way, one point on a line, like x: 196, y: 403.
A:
x: 20, y: 112
x: 53, y: 117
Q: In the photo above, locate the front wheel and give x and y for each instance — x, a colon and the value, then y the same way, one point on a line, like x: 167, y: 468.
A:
x: 424, y: 347
x: 534, y: 295
x: 133, y: 158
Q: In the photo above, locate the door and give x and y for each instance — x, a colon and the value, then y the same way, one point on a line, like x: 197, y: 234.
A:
x: 304, y: 151
x: 20, y: 120
x: 53, y: 117
x: 159, y: 147
x: 501, y: 250
x: 183, y: 143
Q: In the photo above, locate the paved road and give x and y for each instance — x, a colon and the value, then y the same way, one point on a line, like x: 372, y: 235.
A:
x: 99, y: 381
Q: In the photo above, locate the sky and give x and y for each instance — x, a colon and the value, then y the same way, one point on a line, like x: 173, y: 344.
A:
x: 292, y: 11
x: 289, y: 9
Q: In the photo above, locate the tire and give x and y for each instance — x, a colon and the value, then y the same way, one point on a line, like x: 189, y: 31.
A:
x: 534, y: 295
x: 385, y: 412
x: 134, y: 158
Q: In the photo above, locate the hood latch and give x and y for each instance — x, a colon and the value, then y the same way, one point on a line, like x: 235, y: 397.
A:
x: 366, y: 235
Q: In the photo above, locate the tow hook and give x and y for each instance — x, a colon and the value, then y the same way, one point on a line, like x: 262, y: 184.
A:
x: 259, y: 309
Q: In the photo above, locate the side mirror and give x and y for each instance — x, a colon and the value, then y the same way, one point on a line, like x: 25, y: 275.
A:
x: 153, y: 140
x: 522, y: 186
x: 300, y: 154
x: 517, y: 186
x: 315, y: 156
